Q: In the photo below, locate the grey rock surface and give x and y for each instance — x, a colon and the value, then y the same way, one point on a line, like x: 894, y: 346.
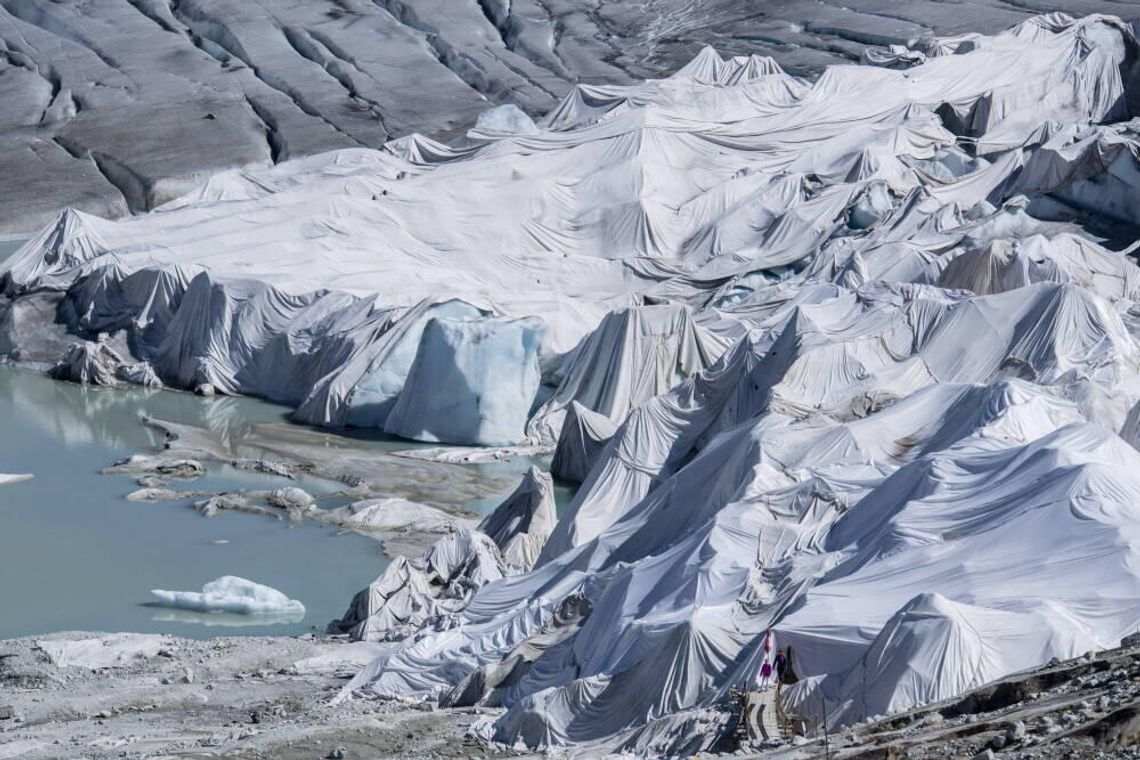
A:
x: 121, y: 105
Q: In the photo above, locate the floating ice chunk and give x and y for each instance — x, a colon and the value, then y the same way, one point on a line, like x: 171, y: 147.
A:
x: 233, y: 595
x: 473, y: 381
x: 507, y: 118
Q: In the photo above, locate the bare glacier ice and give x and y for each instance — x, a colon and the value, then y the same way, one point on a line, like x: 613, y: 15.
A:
x: 118, y: 107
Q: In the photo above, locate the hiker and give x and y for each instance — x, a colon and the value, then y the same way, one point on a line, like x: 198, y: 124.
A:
x: 765, y: 675
x: 781, y: 665
x: 766, y: 670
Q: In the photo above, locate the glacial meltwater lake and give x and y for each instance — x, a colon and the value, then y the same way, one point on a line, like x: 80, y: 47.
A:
x: 76, y: 555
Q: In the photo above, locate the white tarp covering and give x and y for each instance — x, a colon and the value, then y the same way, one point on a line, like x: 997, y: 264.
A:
x: 522, y: 523
x: 905, y: 468
x: 906, y: 458
x: 584, y: 434
x: 918, y: 658
x: 412, y: 592
x: 395, y: 605
x: 96, y: 363
x: 634, y: 355
x: 300, y: 282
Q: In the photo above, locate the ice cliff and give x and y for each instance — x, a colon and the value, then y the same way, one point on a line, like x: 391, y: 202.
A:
x: 851, y: 360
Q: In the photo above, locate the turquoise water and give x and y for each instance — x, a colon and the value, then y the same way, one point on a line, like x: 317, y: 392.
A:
x: 8, y: 246
x: 75, y: 555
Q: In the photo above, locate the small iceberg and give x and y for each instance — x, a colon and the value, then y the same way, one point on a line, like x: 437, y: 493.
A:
x: 234, y: 596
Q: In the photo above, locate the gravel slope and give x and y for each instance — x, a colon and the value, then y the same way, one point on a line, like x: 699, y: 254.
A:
x: 253, y: 697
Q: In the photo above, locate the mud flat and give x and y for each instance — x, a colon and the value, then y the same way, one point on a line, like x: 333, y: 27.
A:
x: 120, y: 695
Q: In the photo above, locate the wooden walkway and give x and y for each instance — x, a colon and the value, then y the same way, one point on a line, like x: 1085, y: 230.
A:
x: 761, y: 719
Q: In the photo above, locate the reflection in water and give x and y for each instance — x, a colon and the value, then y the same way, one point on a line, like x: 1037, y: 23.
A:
x: 224, y: 619
x: 81, y: 415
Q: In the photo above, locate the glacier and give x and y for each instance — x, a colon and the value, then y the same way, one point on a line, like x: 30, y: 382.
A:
x: 472, y: 381
x: 119, y: 107
x: 850, y: 362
